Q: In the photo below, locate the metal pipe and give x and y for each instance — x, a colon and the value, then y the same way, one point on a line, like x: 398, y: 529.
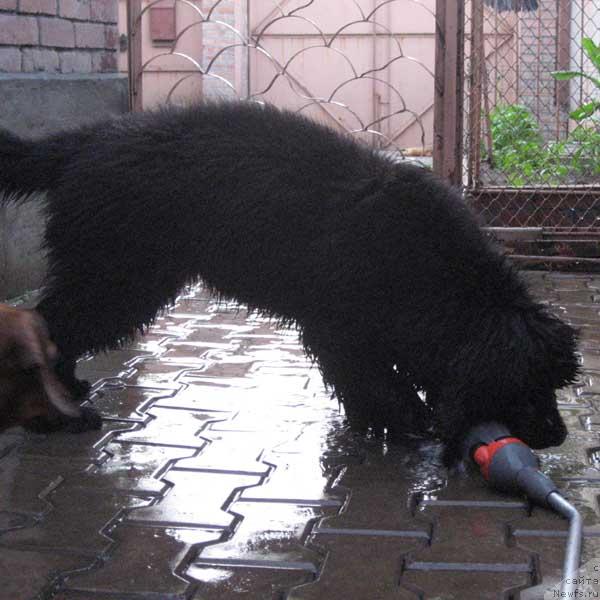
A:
x: 574, y: 539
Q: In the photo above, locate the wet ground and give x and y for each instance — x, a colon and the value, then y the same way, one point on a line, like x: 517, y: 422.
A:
x: 225, y: 471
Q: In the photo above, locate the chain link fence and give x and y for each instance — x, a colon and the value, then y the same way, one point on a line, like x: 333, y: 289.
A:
x: 532, y: 138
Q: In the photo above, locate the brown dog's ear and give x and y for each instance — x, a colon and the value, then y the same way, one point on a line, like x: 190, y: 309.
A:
x: 56, y: 393
x: 36, y: 354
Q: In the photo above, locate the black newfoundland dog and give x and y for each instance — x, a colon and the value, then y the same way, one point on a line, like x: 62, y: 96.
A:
x: 397, y: 294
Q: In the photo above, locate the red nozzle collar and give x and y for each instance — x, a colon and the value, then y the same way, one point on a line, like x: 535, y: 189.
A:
x: 484, y: 454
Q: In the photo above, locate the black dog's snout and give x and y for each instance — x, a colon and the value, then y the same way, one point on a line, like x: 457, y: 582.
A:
x: 548, y: 432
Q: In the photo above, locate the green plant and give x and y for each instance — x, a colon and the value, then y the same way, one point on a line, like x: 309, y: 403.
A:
x: 519, y: 150
x: 585, y: 158
x: 592, y: 51
x: 518, y: 147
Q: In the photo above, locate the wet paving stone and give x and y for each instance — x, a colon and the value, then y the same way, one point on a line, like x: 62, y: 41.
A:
x: 126, y: 402
x: 184, y: 507
x: 245, y: 582
x: 103, y: 365
x: 84, y: 447
x: 267, y: 537
x: 144, y: 562
x: 73, y: 520
x: 224, y: 470
x: 359, y: 567
x: 28, y: 573
x: 451, y: 582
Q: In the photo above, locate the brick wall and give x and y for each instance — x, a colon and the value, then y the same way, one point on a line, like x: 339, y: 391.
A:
x: 58, y: 36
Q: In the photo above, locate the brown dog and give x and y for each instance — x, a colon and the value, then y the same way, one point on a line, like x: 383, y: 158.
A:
x: 30, y: 393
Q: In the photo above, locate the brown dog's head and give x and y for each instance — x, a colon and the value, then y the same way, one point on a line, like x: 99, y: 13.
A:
x: 29, y: 389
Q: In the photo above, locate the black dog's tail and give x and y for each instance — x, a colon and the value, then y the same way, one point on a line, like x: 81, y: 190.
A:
x: 26, y: 166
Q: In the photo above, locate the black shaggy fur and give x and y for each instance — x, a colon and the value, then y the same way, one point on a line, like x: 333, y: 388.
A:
x: 381, y: 266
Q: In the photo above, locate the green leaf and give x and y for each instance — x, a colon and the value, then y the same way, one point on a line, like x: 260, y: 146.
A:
x: 566, y: 75
x: 585, y: 111
x: 592, y: 51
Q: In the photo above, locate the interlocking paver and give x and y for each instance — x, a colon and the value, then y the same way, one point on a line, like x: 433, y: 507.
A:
x: 168, y: 427
x: 222, y: 583
x: 269, y: 537
x: 365, y: 567
x: 103, y: 365
x: 73, y: 522
x: 128, y: 403
x: 184, y: 507
x: 85, y: 447
x: 25, y: 574
x: 453, y: 584
x: 132, y: 466
x: 145, y: 562
x: 224, y: 470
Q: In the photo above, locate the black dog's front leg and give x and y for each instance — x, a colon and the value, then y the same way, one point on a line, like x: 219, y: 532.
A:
x: 386, y: 405
x: 65, y: 370
x: 376, y: 398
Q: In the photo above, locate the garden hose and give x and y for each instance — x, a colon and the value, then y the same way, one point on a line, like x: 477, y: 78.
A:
x: 511, y: 466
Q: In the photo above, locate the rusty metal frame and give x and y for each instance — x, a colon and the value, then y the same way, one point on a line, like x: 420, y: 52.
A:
x: 478, y: 59
x: 134, y: 54
x: 563, y: 26
x: 449, y: 90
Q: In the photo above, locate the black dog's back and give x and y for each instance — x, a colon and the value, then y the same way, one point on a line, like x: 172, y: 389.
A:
x: 249, y: 198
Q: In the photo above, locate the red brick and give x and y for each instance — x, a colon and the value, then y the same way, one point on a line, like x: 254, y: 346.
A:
x: 74, y: 9
x: 111, y: 37
x: 10, y: 60
x: 106, y: 11
x: 40, y: 60
x: 18, y: 30
x: 89, y: 35
x: 78, y: 61
x: 45, y: 7
x: 57, y: 33
x: 8, y: 4
x: 163, y: 27
x: 104, y: 62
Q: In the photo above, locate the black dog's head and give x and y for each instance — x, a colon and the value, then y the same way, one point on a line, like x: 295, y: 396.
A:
x: 509, y: 372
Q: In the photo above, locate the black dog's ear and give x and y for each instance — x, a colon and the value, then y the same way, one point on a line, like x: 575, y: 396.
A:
x: 556, y: 341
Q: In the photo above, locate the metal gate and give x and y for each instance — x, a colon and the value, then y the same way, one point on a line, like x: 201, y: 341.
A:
x: 468, y: 83
x: 365, y: 67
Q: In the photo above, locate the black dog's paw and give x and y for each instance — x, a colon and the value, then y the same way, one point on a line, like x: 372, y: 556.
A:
x: 41, y: 425
x: 452, y: 454
x: 88, y: 421
x: 79, y: 387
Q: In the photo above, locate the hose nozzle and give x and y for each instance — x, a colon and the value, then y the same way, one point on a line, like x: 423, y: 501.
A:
x: 507, y: 462
x: 511, y: 466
